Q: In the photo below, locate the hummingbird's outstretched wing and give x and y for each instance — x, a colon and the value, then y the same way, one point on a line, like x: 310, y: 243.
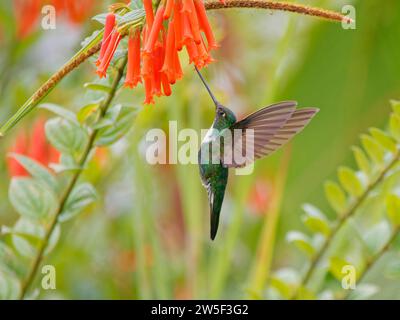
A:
x: 265, y: 131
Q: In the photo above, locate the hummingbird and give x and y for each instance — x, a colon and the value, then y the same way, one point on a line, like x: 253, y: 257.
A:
x: 268, y: 129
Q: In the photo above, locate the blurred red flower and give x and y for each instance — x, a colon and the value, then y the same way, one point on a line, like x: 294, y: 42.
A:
x: 260, y: 196
x: 28, y: 12
x: 32, y: 144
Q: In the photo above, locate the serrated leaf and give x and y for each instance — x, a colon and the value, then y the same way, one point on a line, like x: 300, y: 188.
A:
x: 336, y: 197
x: 373, y: 149
x: 120, y: 127
x: 393, y: 208
x: 59, y: 111
x: 28, y: 246
x: 336, y: 265
x: 66, y: 136
x: 82, y: 195
x: 31, y: 198
x: 350, y: 181
x: 384, y: 139
x: 315, y: 220
x: 97, y: 87
x: 301, y: 241
x: 395, y: 126
x: 362, y: 160
x: 37, y: 170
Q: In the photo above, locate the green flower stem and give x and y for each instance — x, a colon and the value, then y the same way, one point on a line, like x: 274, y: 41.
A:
x: 71, y: 184
x: 342, y: 221
x: 372, y: 261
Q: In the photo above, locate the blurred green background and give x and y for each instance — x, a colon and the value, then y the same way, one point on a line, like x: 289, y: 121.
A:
x: 147, y: 236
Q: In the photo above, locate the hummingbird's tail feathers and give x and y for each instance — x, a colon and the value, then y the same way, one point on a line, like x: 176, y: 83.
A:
x: 215, y: 210
x: 208, y: 88
x: 216, y: 193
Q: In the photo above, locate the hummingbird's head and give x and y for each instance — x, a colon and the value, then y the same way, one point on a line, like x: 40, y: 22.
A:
x: 224, y: 117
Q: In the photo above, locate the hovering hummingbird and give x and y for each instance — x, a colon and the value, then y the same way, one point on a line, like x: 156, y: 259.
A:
x: 268, y: 129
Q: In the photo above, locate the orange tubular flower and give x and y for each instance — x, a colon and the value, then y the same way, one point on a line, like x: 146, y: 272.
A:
x: 148, y: 8
x: 133, y: 76
x: 111, y: 48
x: 204, y: 24
x: 108, y: 28
x: 168, y: 66
x: 178, y: 23
x: 155, y: 30
x: 194, y: 23
x: 168, y: 9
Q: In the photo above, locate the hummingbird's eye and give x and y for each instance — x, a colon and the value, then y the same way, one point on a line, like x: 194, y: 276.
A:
x: 224, y: 114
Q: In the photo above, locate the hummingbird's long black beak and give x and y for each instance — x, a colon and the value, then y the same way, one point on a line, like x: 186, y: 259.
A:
x: 208, y: 88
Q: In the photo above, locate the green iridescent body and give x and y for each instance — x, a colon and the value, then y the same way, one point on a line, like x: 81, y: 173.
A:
x: 214, y: 176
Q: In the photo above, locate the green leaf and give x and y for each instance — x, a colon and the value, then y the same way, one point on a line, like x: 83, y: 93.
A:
x: 110, y: 134
x: 10, y: 287
x: 393, y: 208
x: 8, y: 260
x: 301, y: 241
x: 97, y: 87
x: 60, y: 111
x: 384, y: 139
x: 336, y: 265
x: 37, y: 170
x: 374, y: 150
x: 285, y: 281
x: 82, y: 195
x: 350, y: 181
x: 67, y: 164
x: 28, y: 235
x: 87, y: 111
x: 66, y: 136
x: 395, y: 126
x: 376, y: 237
x: 362, y: 160
x: 395, y: 106
x: 31, y: 198
x: 315, y: 220
x: 336, y: 197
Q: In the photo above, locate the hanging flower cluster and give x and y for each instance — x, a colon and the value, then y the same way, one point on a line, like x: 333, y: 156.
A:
x: 153, y: 49
x: 34, y: 145
x: 28, y: 12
